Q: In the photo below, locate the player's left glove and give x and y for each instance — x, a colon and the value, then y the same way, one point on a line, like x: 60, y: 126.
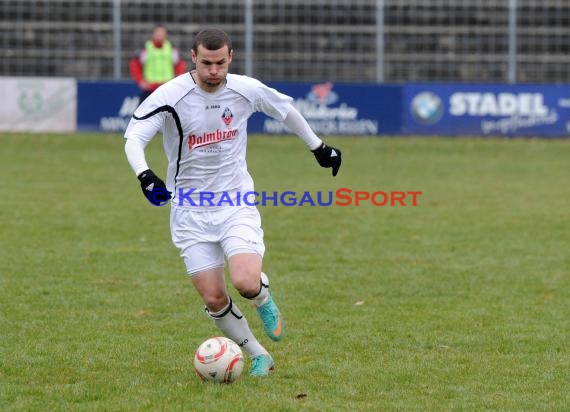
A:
x: 328, y: 156
x: 153, y: 188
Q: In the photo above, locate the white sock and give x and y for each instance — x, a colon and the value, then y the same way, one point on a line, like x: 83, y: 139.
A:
x: 234, y: 326
x: 263, y: 295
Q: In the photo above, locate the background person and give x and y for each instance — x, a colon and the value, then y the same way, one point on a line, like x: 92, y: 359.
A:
x: 155, y: 64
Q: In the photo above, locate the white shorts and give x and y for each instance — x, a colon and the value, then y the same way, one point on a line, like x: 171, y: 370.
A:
x: 205, y: 237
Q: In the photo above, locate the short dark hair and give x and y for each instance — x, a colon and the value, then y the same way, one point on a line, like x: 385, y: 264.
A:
x: 212, y: 39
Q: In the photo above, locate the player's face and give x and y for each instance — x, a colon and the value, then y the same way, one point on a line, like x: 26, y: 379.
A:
x: 211, y: 67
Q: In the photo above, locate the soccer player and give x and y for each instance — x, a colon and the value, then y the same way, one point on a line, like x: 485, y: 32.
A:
x: 203, y: 118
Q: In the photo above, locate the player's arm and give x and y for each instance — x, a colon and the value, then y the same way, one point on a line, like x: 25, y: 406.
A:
x: 279, y: 106
x: 327, y: 156
x: 138, y: 134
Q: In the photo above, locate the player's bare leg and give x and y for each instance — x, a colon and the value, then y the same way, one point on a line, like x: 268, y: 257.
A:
x: 252, y: 283
x: 245, y: 271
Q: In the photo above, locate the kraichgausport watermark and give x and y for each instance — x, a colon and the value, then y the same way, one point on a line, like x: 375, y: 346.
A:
x: 340, y: 197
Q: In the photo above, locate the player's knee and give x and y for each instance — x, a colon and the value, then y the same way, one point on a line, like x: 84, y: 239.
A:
x: 247, y: 286
x: 216, y: 302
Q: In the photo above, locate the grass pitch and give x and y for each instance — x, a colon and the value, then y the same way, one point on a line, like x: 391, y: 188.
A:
x: 459, y: 303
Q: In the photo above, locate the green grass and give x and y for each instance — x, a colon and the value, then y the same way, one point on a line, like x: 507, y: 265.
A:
x: 460, y: 303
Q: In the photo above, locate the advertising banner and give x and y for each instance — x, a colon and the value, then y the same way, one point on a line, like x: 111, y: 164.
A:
x: 370, y: 109
x: 106, y: 106
x: 487, y: 110
x: 329, y: 108
x: 339, y: 109
x: 38, y: 104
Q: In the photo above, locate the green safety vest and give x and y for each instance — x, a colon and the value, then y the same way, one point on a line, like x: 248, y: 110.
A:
x: 158, y: 67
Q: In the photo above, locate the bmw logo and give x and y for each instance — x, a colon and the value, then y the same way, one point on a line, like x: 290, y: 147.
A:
x: 427, y: 108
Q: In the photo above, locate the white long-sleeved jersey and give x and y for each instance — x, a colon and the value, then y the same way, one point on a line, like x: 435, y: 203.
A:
x: 204, y: 134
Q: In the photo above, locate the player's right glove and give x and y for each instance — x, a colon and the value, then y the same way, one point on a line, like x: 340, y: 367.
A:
x: 328, y: 156
x: 153, y: 188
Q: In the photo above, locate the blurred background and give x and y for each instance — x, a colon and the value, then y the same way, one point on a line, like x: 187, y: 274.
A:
x: 359, y: 67
x: 524, y: 41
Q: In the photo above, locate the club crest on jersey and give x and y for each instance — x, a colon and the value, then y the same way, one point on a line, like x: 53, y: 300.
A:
x: 227, y: 116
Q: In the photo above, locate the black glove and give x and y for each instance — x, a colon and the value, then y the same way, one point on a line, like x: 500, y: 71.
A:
x: 154, y: 189
x: 328, y: 156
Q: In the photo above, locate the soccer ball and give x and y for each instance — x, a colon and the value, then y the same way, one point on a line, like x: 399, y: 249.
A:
x: 218, y: 359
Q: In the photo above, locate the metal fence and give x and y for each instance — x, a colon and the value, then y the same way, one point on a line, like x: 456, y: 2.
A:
x: 524, y: 41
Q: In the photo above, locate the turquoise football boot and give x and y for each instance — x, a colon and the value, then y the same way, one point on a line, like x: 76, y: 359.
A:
x: 262, y: 365
x: 271, y: 319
